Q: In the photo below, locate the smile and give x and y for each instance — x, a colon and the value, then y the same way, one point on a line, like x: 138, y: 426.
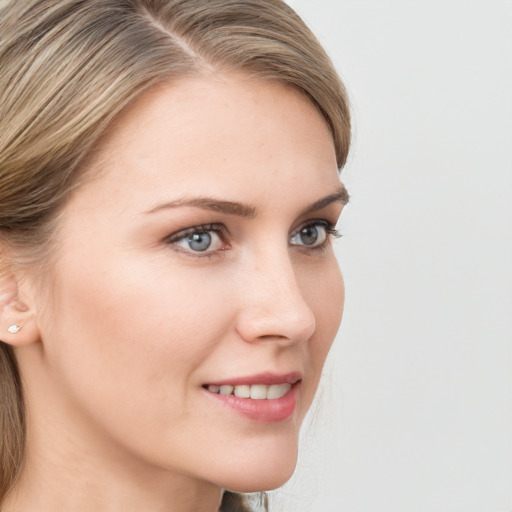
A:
x: 265, y: 398
x: 256, y: 391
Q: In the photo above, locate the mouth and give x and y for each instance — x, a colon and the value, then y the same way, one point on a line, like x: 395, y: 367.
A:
x: 265, y: 398
x: 255, y: 392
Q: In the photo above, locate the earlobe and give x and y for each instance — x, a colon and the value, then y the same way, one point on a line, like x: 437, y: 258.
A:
x: 17, y: 319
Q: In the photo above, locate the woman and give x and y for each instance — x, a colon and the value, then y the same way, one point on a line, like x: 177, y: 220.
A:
x: 168, y: 293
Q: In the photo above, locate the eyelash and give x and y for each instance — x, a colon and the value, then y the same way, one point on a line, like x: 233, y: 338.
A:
x: 330, y: 231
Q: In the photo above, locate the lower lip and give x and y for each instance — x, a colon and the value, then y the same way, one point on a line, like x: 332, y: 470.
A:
x: 264, y: 411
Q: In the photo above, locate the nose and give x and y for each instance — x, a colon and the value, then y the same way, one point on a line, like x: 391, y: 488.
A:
x: 273, y: 306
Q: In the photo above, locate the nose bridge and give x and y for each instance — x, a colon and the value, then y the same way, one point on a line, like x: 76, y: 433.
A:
x: 274, y: 306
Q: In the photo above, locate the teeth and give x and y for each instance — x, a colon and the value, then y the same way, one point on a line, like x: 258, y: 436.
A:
x: 225, y: 390
x: 242, y: 391
x: 256, y: 391
x: 278, y: 390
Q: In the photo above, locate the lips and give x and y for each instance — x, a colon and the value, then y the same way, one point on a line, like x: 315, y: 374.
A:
x: 266, y: 378
x: 265, y: 397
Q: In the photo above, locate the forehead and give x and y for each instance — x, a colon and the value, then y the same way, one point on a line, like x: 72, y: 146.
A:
x: 223, y: 130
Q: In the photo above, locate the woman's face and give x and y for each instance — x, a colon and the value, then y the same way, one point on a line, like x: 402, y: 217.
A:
x: 197, y: 260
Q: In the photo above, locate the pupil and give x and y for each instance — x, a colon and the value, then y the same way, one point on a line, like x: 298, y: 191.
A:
x: 200, y: 241
x: 309, y: 235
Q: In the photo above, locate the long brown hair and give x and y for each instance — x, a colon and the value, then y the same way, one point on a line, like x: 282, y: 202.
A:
x: 69, y: 67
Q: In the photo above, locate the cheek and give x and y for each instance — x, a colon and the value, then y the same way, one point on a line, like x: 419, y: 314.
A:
x: 125, y: 342
x: 326, y: 296
x: 129, y: 327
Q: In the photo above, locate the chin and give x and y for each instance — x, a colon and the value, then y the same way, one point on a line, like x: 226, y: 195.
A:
x: 264, y: 475
x: 262, y: 482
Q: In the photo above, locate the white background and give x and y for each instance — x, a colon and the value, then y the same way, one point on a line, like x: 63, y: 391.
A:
x: 415, y: 412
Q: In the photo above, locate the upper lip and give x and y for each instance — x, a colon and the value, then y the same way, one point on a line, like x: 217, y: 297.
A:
x: 266, y: 378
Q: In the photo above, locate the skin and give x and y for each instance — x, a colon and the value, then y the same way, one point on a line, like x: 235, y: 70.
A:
x: 115, y: 353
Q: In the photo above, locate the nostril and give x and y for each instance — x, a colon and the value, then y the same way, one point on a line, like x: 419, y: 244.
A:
x: 272, y: 337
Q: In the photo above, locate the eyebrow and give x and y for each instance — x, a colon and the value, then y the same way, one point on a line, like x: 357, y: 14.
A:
x: 340, y: 196
x: 246, y: 210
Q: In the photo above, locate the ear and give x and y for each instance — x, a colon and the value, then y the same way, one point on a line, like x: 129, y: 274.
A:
x: 17, y: 319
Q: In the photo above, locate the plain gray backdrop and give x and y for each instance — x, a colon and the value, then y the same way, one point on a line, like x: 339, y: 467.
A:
x: 415, y: 410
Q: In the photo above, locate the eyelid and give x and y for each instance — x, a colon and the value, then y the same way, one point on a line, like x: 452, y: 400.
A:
x: 202, y: 228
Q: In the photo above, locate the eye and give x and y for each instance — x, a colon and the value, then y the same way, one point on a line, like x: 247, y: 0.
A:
x: 199, y: 239
x: 314, y: 234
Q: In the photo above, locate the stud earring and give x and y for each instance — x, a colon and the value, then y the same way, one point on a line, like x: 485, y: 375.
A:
x: 14, y: 328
